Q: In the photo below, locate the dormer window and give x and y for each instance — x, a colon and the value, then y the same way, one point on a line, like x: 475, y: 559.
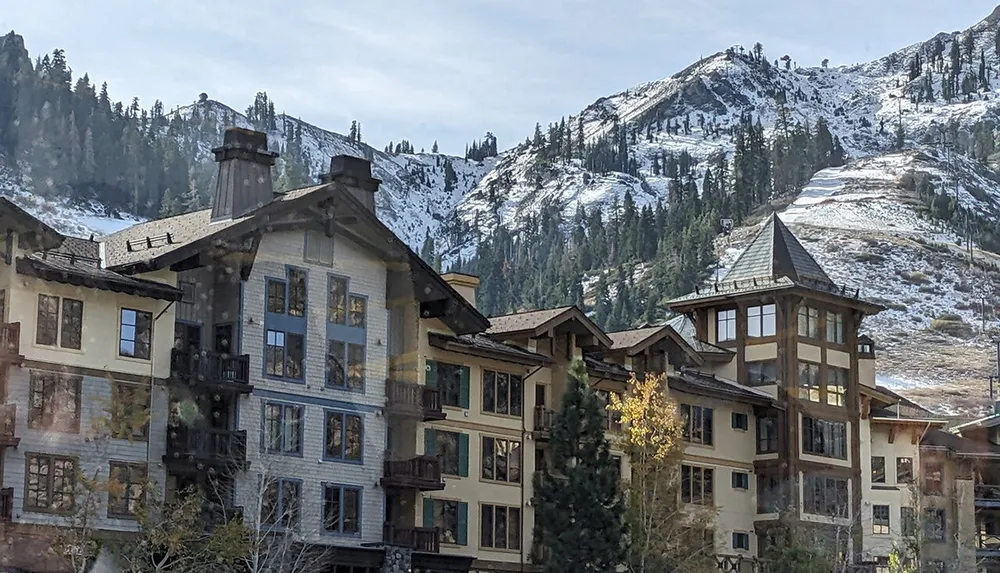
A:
x: 725, y: 325
x: 761, y: 321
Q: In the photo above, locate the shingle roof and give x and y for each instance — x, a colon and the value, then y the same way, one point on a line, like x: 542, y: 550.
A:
x: 628, y: 338
x: 959, y: 444
x: 480, y: 345
x: 711, y: 385
x: 596, y: 366
x: 776, y: 253
x: 521, y: 321
x: 683, y: 326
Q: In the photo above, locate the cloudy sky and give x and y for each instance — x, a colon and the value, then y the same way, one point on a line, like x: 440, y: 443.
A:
x: 447, y: 69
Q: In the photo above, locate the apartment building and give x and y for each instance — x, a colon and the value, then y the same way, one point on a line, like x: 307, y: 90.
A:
x: 84, y: 351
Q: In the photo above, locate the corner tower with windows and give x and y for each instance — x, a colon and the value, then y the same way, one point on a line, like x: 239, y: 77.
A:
x: 794, y: 335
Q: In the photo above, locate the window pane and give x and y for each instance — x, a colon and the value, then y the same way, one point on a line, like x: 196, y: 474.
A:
x: 352, y: 510
x: 486, y: 526
x: 489, y: 391
x: 276, y: 296
x: 337, y: 306
x: 355, y: 366
x: 331, y: 508
x: 72, y: 323
x: 514, y: 528
x: 769, y: 325
x: 359, y: 311
x: 335, y: 362
x: 294, y: 356
x: 447, y: 451
x: 503, y: 393
x: 48, y: 319
x: 500, y: 528
x: 334, y: 435
x: 515, y: 395
x: 488, y: 458
x: 296, y: 292
x: 352, y: 446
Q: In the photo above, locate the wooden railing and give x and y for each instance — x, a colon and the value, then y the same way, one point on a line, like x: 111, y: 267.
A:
x: 6, y: 504
x: 415, y: 399
x: 423, y: 539
x: 10, y: 338
x: 8, y: 422
x: 986, y: 492
x: 544, y: 420
x: 201, y: 366
x: 988, y: 541
x: 421, y: 472
x: 207, y: 445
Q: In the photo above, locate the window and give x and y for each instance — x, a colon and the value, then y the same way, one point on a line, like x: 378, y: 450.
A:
x: 741, y: 540
x: 740, y: 421
x: 341, y: 509
x: 284, y: 354
x: 129, y: 411
x: 768, y: 493
x: 825, y: 496
x: 276, y: 296
x: 809, y: 381
x: 761, y: 321
x: 835, y: 327
x: 336, y: 364
x: 297, y: 292
x: 446, y: 450
x: 809, y: 322
x: 136, y: 333
x: 188, y: 290
x: 452, y: 380
x: 878, y: 469
x: 126, y: 495
x: 908, y: 519
x: 451, y: 448
x: 54, y: 402
x: 767, y: 434
x: 697, y: 424
x: 502, y: 460
x: 450, y: 516
x: 358, y: 315
x: 762, y: 373
x: 282, y: 428
x: 50, y: 484
x: 934, y: 523
x: 500, y: 527
x: 824, y: 438
x: 318, y: 248
x: 933, y: 478
x: 355, y: 366
x: 337, y: 303
x: 281, y: 503
x: 68, y: 330
x: 502, y: 393
x: 612, y: 419
x: 880, y: 520
x: 696, y: 485
x: 836, y: 386
x: 741, y: 480
x: 344, y: 436
x: 725, y: 325
x: 904, y: 470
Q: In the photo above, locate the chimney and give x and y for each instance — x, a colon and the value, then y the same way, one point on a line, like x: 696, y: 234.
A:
x: 244, y: 180
x: 356, y: 174
x: 466, y: 285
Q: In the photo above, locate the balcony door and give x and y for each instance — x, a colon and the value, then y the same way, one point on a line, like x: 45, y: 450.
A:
x: 187, y: 336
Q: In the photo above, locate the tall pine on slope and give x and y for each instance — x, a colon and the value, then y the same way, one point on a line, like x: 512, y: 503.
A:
x: 579, y: 509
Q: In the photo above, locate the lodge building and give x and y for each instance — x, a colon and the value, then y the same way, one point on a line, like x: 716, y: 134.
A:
x: 299, y: 364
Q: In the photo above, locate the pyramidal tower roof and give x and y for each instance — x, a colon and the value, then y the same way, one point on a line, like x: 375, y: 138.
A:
x: 775, y: 253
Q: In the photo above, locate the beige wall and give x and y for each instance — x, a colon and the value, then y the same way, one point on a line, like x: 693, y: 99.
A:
x: 875, y: 442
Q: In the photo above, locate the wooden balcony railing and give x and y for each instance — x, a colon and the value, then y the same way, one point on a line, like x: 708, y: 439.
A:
x: 6, y: 504
x: 206, y: 446
x: 544, y: 419
x: 8, y: 423
x: 10, y: 341
x: 988, y: 541
x: 415, y: 400
x: 989, y: 494
x: 422, y: 539
x: 211, y: 367
x: 422, y: 473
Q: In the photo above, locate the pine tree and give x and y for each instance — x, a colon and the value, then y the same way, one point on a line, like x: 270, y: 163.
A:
x: 434, y: 148
x: 579, y: 513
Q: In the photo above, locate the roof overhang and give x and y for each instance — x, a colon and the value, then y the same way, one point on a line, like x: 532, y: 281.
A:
x: 663, y: 333
x: 515, y: 355
x: 571, y: 314
x: 711, y: 297
x: 908, y: 420
x: 679, y: 384
x: 29, y: 228
x: 127, y: 285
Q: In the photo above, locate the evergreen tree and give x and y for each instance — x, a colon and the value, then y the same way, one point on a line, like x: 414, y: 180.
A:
x: 434, y: 148
x: 579, y: 515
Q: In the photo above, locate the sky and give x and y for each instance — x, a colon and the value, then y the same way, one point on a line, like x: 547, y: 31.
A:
x: 447, y: 70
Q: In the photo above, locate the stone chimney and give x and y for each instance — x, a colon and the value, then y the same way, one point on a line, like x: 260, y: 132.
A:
x: 355, y: 174
x: 466, y: 285
x: 244, y: 180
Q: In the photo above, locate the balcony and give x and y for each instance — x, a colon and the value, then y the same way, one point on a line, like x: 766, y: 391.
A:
x: 6, y: 504
x: 200, y: 448
x: 988, y: 495
x: 544, y: 420
x: 422, y: 473
x: 987, y: 544
x: 421, y: 539
x: 8, y: 417
x: 211, y: 369
x: 10, y: 343
x: 413, y: 401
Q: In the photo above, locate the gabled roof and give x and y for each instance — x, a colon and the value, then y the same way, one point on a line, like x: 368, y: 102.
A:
x: 712, y: 386
x: 24, y: 222
x: 960, y: 446
x: 485, y: 347
x: 535, y: 323
x: 776, y: 253
x: 685, y: 327
x: 600, y: 369
x: 636, y: 341
x: 774, y: 261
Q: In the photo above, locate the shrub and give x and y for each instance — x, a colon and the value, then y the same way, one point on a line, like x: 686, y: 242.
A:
x: 953, y: 325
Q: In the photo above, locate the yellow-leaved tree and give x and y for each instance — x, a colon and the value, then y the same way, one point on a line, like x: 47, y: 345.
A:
x: 664, y: 535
